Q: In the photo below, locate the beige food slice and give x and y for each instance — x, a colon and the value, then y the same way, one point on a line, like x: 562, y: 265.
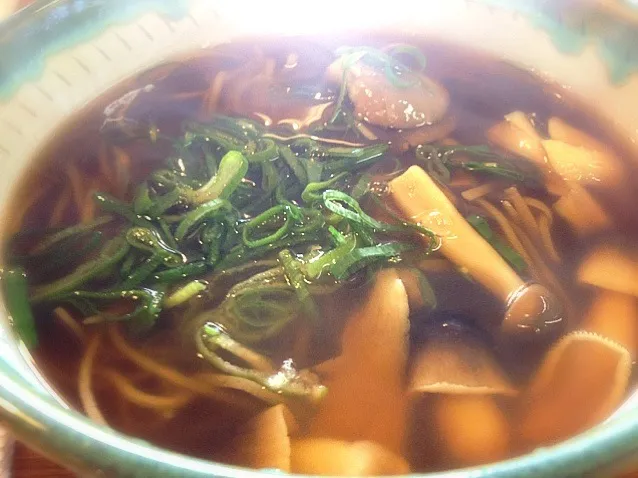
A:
x: 581, y: 211
x: 614, y: 315
x: 328, y: 457
x: 567, y: 159
x: 462, y: 378
x: 458, y: 365
x: 582, y: 165
x: 580, y: 382
x: 472, y: 429
x: 602, y: 166
x: 517, y: 135
x: 263, y: 442
x: 366, y: 392
x: 423, y: 202
x: 611, y: 267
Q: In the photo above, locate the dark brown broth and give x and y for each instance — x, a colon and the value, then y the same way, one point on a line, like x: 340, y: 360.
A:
x: 482, y: 90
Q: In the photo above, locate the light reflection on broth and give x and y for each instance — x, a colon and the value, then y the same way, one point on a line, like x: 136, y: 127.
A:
x: 333, y: 260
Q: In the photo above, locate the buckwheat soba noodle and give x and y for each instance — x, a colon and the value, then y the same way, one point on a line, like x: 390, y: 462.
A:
x: 374, y: 258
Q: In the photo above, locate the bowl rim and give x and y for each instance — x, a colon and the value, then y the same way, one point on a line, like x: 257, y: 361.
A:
x: 29, y: 411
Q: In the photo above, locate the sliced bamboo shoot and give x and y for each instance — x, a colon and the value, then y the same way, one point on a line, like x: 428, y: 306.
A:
x: 423, y: 202
x: 562, y: 131
x: 582, y: 165
x: 472, y: 429
x: 581, y: 381
x: 614, y: 315
x: 517, y: 135
x: 611, y: 267
x: 419, y: 290
x: 612, y: 166
x: 263, y: 442
x: 322, y: 456
x: 460, y: 377
x: 571, y: 207
x: 368, y: 375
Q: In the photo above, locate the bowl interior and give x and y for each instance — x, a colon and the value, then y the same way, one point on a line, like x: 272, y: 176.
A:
x: 91, y: 47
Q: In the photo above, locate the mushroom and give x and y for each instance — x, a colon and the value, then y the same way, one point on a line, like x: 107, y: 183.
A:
x: 459, y: 378
x: 413, y: 102
x: 530, y: 309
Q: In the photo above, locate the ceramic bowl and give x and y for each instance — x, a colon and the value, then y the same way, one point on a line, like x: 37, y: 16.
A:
x: 58, y: 56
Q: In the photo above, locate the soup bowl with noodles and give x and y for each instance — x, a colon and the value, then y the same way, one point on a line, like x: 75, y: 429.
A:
x: 245, y: 238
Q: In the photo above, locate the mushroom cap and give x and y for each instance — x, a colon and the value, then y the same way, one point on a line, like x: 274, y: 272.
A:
x: 456, y: 360
x: 377, y: 101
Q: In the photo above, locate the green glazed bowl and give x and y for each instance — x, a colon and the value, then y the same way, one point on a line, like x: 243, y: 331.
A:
x: 57, y: 56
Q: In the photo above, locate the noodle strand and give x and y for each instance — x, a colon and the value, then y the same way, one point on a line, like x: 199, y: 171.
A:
x: 506, y: 228
x: 70, y: 323
x: 544, y: 226
x: 60, y: 208
x: 208, y: 386
x: 527, y: 221
x: 165, y: 404
x: 85, y: 382
x: 541, y: 207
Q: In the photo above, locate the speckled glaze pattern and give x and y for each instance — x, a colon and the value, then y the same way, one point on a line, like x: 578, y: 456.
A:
x: 56, y: 56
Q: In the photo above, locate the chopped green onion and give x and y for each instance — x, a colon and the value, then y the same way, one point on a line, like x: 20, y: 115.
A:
x: 210, y: 210
x: 142, y: 201
x: 286, y: 381
x: 16, y: 296
x: 294, y: 275
x: 143, y: 271
x: 363, y: 256
x: 509, y: 254
x: 180, y: 273
x: 64, y: 234
x: 259, y: 312
x: 294, y: 164
x: 266, y: 220
x: 325, y: 262
x: 141, y: 319
x: 184, y: 294
x: 148, y: 240
x: 313, y: 191
x: 115, y: 206
x: 232, y: 169
x: 112, y: 253
x: 163, y: 203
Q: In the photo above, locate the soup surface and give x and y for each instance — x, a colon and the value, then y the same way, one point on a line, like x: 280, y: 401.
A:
x: 332, y: 257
